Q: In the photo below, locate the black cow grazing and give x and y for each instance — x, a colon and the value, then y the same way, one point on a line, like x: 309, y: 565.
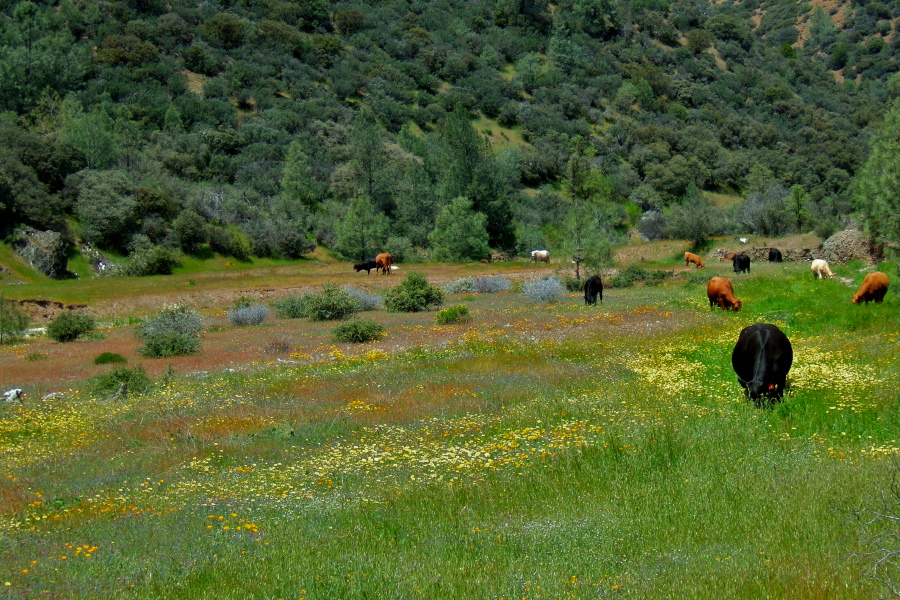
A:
x: 741, y: 263
x: 366, y: 265
x: 593, y: 288
x: 774, y: 255
x: 762, y: 358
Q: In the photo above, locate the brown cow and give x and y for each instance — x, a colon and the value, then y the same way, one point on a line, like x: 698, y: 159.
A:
x: 728, y: 256
x: 693, y: 258
x: 873, y: 287
x: 384, y: 261
x: 720, y: 292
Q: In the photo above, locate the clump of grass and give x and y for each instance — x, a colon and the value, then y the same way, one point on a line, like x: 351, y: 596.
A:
x: 573, y: 285
x: 68, y: 326
x: 366, y: 300
x: 248, y: 315
x: 453, y: 314
x: 135, y: 379
x: 174, y: 332
x: 34, y: 356
x: 545, y: 290
x: 279, y: 345
x: 358, y: 331
x: 109, y: 357
x: 414, y: 294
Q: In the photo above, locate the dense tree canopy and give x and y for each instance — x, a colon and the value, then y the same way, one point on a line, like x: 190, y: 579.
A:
x: 276, y: 124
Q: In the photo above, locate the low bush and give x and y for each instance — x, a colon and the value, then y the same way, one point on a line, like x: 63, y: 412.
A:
x: 109, y: 357
x: 628, y: 277
x: 292, y: 307
x: 136, y: 381
x: 249, y: 315
x: 68, y: 326
x: 366, y: 300
x: 453, y: 314
x: 357, y: 331
x: 490, y: 284
x: 331, y: 304
x: 174, y: 332
x: 457, y: 286
x: 545, y: 290
x: 279, y: 345
x: 157, y: 260
x: 414, y: 294
x: 573, y: 285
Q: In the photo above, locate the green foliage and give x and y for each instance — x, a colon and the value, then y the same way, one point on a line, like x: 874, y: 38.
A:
x: 291, y: 307
x: 135, y: 380
x: 358, y: 331
x: 877, y: 188
x: 175, y: 331
x: 452, y: 315
x: 189, y: 229
x: 362, y: 232
x: 13, y: 321
x: 695, y: 219
x: 460, y: 233
x: 331, y: 304
x: 106, y: 358
x: 225, y: 30
x: 413, y: 294
x: 68, y: 326
x: 106, y: 208
x: 634, y: 273
x: 156, y: 260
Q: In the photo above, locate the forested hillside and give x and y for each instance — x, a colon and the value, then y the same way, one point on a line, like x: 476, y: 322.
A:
x: 434, y: 128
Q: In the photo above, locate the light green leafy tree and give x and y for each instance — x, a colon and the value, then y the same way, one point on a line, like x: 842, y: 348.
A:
x: 362, y: 232
x: 460, y: 233
x: 876, y: 191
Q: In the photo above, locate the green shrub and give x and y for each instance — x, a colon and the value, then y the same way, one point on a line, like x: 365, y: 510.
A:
x: 109, y: 357
x: 136, y: 381
x: 331, y: 304
x: 573, y: 285
x: 157, y: 260
x: 453, y: 314
x: 174, y: 332
x: 292, y: 307
x: 357, y: 331
x: 414, y: 294
x: 628, y: 277
x: 68, y: 326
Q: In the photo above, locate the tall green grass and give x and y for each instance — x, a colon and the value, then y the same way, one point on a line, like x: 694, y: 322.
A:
x: 561, y: 451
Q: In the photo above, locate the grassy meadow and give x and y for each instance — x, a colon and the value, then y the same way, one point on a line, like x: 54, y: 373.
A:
x: 540, y: 451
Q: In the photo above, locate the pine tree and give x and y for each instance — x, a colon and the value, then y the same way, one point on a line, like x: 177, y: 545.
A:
x: 362, y: 232
x: 877, y: 189
x: 296, y: 180
x: 460, y: 233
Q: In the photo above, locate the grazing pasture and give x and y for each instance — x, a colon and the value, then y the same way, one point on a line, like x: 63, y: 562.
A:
x: 538, y: 451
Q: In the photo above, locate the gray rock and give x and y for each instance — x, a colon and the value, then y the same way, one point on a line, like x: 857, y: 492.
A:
x: 44, y: 250
x: 848, y: 245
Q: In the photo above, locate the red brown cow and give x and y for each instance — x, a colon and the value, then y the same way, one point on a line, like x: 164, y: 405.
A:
x: 384, y: 261
x: 728, y: 256
x: 720, y: 292
x: 873, y: 287
x: 693, y: 258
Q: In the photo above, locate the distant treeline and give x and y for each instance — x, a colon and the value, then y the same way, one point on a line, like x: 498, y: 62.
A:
x: 267, y: 127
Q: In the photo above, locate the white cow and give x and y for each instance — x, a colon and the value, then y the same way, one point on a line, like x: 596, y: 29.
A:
x: 820, y: 269
x: 540, y: 256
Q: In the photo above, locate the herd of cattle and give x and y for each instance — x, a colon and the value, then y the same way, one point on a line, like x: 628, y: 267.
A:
x: 763, y: 354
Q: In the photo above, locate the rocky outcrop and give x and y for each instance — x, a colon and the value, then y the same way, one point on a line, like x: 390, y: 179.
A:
x: 848, y: 245
x: 100, y: 264
x: 44, y: 250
